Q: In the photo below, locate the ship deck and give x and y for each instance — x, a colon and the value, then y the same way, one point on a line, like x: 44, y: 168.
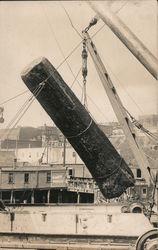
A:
x: 12, y: 241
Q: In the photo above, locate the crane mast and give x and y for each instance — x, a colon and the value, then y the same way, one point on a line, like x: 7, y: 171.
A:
x: 118, y: 108
x: 128, y: 38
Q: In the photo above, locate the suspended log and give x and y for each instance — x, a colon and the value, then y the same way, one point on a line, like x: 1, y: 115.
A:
x: 109, y: 170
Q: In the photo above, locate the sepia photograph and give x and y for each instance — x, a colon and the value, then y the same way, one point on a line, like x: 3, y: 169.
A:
x: 79, y: 125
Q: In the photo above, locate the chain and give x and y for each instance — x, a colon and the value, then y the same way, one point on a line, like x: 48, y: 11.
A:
x: 93, y: 21
x: 84, y: 71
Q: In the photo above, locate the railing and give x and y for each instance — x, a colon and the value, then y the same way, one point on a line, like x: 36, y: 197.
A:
x: 85, y: 185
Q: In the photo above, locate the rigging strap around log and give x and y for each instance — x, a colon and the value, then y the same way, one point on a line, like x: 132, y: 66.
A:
x: 113, y: 172
x: 81, y: 133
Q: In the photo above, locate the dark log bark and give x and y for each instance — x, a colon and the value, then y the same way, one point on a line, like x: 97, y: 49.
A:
x: 109, y: 170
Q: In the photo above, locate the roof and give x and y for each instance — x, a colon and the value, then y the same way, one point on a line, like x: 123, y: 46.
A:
x: 57, y: 167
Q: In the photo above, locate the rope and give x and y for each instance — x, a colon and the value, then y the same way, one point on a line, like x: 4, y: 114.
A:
x: 87, y: 96
x: 41, y: 158
x: 74, y: 49
x: 98, y: 30
x: 71, y: 21
x: 60, y: 49
x: 81, y: 133
x: 75, y: 78
x: 100, y: 111
x: 141, y: 127
x: 29, y: 105
x: 113, y: 72
x: 65, y: 59
x: 25, y: 108
x: 111, y: 174
x: 154, y: 160
x: 14, y: 97
x: 17, y: 114
x: 62, y: 62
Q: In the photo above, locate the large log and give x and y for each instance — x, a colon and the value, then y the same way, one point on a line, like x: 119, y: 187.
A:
x: 109, y: 170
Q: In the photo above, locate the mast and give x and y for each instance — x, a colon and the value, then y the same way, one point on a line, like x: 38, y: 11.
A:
x: 128, y: 38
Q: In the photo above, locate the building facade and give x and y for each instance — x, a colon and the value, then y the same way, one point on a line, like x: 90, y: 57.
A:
x: 49, y: 155
x: 51, y: 174
x: 56, y: 183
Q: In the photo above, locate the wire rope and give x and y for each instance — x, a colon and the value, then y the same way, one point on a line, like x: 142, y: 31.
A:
x: 14, y: 97
x: 70, y: 20
x: 65, y: 60
x: 20, y: 110
x: 23, y: 110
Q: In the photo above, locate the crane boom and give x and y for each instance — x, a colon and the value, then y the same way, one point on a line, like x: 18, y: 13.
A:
x: 129, y: 39
x: 118, y: 108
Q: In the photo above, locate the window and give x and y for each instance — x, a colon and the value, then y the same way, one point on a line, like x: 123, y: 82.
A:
x: 26, y: 178
x: 70, y: 172
x: 74, y: 154
x: 90, y: 185
x: 10, y: 178
x: 139, y: 173
x: 48, y: 176
x: 144, y: 191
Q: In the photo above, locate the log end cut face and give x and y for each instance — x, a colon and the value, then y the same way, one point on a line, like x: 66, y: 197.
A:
x: 32, y: 65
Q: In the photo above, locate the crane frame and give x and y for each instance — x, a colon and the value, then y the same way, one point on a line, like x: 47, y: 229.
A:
x: 119, y: 109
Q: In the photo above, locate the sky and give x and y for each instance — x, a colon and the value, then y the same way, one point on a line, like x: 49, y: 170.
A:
x: 30, y: 30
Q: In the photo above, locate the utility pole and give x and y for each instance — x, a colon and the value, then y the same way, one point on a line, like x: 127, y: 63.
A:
x: 64, y: 152
x: 16, y: 147
x: 47, y: 149
x: 1, y: 115
x: 46, y: 142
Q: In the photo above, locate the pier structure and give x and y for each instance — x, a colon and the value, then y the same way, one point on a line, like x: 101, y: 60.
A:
x: 48, y: 184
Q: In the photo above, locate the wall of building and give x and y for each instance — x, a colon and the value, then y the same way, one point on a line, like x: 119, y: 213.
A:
x: 6, y: 158
x: 53, y: 154
x: 79, y: 171
x: 37, y: 179
x: 13, y: 144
